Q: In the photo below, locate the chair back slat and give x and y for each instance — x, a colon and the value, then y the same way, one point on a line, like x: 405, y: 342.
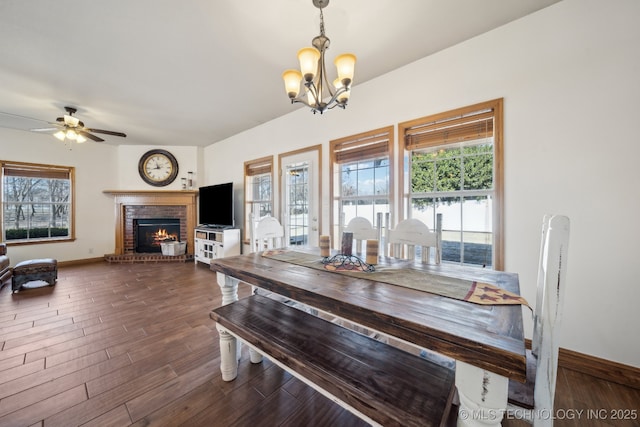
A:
x: 411, y: 233
x: 362, y: 231
x: 267, y: 233
x: 553, y: 270
x: 536, y: 339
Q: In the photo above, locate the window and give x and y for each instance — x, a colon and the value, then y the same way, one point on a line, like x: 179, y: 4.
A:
x: 453, y: 166
x: 361, y: 171
x: 258, y: 190
x: 37, y: 202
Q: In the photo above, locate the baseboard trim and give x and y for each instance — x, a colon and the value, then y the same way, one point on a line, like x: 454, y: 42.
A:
x: 604, y: 369
x: 80, y: 261
x: 600, y: 368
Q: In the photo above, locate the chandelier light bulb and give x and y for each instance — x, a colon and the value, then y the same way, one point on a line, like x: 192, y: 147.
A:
x: 308, y: 58
x: 345, y: 64
x: 292, y: 79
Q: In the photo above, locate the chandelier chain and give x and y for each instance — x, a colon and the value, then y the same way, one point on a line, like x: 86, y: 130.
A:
x: 321, y: 23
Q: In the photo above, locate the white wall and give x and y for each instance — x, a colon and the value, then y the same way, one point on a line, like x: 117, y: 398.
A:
x: 569, y: 78
x: 96, y: 170
x: 129, y: 177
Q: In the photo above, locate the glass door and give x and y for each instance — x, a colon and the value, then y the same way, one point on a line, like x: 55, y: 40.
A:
x: 300, y: 193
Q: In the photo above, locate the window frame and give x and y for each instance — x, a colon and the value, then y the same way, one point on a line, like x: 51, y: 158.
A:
x: 358, y: 148
x: 252, y: 168
x: 495, y: 107
x: 44, y: 171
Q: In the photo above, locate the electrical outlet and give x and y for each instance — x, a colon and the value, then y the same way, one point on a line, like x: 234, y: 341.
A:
x: 90, y: 250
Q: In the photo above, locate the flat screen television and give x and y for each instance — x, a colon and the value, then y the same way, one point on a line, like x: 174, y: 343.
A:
x: 216, y: 206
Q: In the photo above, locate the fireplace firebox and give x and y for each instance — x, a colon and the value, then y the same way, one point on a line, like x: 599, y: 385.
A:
x: 150, y: 232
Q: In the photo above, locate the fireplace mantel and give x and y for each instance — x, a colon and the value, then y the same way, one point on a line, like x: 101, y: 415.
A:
x: 124, y: 198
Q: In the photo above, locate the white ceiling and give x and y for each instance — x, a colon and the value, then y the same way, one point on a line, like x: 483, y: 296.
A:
x: 194, y: 72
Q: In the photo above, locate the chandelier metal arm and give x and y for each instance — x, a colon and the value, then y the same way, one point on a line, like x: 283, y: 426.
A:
x: 320, y: 106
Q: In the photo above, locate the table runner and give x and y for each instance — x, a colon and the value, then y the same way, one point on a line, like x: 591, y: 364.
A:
x: 465, y: 290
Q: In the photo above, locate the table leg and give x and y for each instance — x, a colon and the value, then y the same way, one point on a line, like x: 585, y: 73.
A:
x: 228, y: 287
x: 230, y: 347
x: 483, y: 396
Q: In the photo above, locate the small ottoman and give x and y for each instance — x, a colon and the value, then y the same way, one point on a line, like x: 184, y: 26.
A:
x: 35, y: 269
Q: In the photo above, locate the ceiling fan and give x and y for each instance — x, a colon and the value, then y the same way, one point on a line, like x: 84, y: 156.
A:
x: 70, y: 127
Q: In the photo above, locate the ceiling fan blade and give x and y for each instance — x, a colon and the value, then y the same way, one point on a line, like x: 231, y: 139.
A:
x: 43, y: 129
x: 90, y: 136
x: 108, y: 132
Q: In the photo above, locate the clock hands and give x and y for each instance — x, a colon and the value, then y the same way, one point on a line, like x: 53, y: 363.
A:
x: 158, y: 167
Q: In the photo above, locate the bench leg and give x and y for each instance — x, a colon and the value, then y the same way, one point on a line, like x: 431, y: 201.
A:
x: 255, y: 356
x: 228, y: 354
x: 483, y: 396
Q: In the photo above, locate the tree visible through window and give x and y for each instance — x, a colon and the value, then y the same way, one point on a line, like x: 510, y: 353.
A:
x: 453, y: 167
x: 37, y: 202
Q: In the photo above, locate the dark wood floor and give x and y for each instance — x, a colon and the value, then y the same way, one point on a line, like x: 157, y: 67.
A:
x: 133, y: 344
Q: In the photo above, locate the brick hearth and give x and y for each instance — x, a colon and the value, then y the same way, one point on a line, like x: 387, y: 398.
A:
x: 146, y: 258
x: 148, y: 212
x: 131, y: 205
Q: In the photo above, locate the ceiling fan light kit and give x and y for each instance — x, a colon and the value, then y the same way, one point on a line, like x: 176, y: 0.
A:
x: 70, y: 129
x: 313, y: 74
x: 70, y: 135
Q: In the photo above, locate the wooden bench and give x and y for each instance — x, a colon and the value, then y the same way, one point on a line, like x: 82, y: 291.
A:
x: 377, y: 382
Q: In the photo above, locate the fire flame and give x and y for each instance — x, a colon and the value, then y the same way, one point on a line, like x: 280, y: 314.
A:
x: 161, y: 236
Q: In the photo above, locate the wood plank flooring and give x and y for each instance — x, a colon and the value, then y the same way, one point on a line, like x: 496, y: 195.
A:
x: 133, y: 344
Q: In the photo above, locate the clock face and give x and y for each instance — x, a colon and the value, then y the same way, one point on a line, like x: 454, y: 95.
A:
x: 158, y: 167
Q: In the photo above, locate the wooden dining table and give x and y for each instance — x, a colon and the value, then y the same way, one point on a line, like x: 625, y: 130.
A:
x: 487, y: 341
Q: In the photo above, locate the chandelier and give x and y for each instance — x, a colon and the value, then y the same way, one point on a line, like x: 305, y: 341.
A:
x: 313, y: 74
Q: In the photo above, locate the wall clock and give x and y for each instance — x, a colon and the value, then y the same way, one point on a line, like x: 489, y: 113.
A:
x: 158, y: 167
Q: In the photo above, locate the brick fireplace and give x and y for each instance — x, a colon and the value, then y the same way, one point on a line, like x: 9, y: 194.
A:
x: 132, y: 206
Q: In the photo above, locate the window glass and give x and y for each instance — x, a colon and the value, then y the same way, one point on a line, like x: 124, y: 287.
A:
x: 36, y: 202
x: 258, y: 191
x: 449, y: 167
x: 361, y: 177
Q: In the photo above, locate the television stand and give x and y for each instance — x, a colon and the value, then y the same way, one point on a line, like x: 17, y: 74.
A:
x: 214, y: 243
x: 214, y: 227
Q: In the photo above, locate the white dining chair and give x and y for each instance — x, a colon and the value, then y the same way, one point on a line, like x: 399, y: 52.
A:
x: 362, y: 230
x: 267, y: 233
x: 533, y: 400
x: 411, y: 234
